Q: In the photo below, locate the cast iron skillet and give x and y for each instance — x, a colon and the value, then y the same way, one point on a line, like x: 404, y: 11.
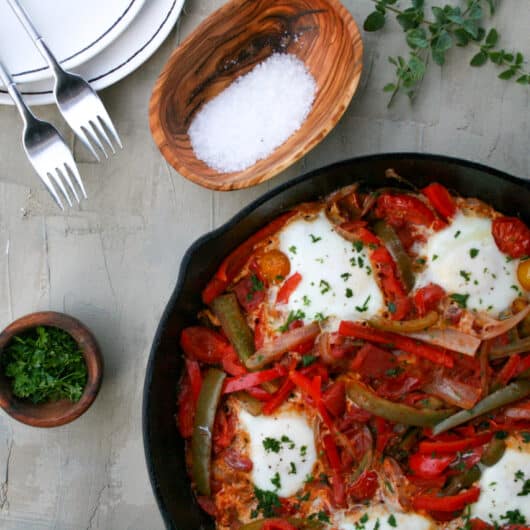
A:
x: 164, y: 449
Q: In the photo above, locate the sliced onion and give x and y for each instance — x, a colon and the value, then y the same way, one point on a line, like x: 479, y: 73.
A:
x: 498, y: 327
x: 397, y: 489
x: 520, y: 346
x: 281, y: 344
x: 453, y: 392
x: 332, y: 209
x: 323, y: 348
x: 451, y: 339
x: 518, y: 412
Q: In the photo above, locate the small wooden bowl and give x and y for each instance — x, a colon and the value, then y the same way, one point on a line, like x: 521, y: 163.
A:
x: 229, y: 43
x: 58, y: 412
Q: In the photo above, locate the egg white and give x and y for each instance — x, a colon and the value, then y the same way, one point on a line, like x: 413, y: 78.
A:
x: 295, y: 458
x: 337, y: 277
x: 501, y: 485
x: 464, y: 259
x: 381, y: 518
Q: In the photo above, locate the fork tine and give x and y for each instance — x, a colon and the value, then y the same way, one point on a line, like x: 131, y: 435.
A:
x: 70, y: 166
x: 66, y: 176
x: 107, y: 122
x: 49, y: 186
x: 85, y: 141
x: 98, y: 126
x: 56, y: 176
x: 91, y: 133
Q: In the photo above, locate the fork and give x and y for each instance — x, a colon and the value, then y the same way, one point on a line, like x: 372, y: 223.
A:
x: 45, y: 148
x: 78, y: 102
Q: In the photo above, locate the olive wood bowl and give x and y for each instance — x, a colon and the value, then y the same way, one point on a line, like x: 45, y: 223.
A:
x: 229, y: 43
x: 55, y: 413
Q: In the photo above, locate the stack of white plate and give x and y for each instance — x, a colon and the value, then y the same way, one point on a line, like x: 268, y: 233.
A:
x: 103, y: 40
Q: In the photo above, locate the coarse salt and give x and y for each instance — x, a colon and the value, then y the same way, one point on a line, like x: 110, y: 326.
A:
x: 253, y: 116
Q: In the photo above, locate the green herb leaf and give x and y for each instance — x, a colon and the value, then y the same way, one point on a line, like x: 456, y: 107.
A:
x: 479, y: 59
x: 374, y: 21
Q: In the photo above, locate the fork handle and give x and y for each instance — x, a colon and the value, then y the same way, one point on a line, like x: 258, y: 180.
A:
x: 11, y: 87
x: 31, y: 30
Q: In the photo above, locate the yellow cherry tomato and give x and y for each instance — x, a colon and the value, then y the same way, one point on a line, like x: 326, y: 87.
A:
x: 523, y: 274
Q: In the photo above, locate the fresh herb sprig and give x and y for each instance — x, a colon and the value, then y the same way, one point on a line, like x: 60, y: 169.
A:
x: 452, y: 25
x: 45, y: 364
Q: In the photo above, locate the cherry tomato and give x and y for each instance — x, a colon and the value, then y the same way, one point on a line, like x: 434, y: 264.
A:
x: 426, y: 466
x: 400, y: 209
x: 512, y: 236
x: 365, y: 486
x: 441, y: 199
x: 274, y: 265
x: 427, y: 298
x: 250, y: 292
x: 523, y: 274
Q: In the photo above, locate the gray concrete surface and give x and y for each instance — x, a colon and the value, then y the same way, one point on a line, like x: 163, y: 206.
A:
x: 113, y: 263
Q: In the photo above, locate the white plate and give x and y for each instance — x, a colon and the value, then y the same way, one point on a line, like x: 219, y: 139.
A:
x: 130, y: 50
x: 75, y: 31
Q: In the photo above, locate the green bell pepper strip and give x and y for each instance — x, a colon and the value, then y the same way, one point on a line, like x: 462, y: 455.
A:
x: 463, y: 480
x: 493, y: 452
x: 513, y: 392
x: 201, y: 441
x: 227, y: 310
x: 368, y: 400
x: 392, y: 242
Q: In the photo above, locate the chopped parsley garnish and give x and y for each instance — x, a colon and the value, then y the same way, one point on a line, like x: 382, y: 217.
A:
x: 324, y: 286
x: 292, y: 468
x: 307, y: 360
x: 361, y: 523
x: 309, y: 478
x: 392, y: 521
x: 271, y: 445
x: 473, y: 252
x: 268, y: 502
x: 323, y: 478
x: 377, y: 524
x: 364, y: 307
x: 394, y: 372
x: 457, y: 233
x: 292, y: 249
x: 466, y: 275
x: 514, y: 517
x: 314, y: 239
x: 460, y: 299
x: 305, y: 497
x: 349, y: 293
x: 421, y: 261
x: 286, y: 440
x: 345, y: 276
x: 275, y: 481
x: 320, y: 316
x: 303, y: 450
x: 306, y: 300
x: 501, y: 435
x: 358, y: 245
x: 256, y: 285
x: 526, y: 437
x: 353, y: 262
x: 319, y: 516
x: 391, y: 307
x: 434, y: 257
x: 293, y: 316
x: 360, y: 261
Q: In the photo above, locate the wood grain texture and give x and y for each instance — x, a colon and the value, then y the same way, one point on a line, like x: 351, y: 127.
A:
x: 322, y: 33
x: 60, y: 412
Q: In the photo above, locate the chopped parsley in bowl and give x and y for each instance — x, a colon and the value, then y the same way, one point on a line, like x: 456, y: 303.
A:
x: 45, y: 364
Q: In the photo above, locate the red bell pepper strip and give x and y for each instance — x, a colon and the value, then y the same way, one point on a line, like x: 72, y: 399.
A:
x: 204, y: 344
x: 279, y: 397
x: 454, y: 446
x: 249, y: 380
x: 421, y: 349
x: 427, y: 298
x: 236, y: 260
x: 399, y: 209
x: 334, y: 398
x: 332, y: 452
x: 277, y: 524
x: 440, y: 199
x: 451, y: 503
x: 194, y: 373
x: 306, y: 385
x: 286, y: 290
x: 365, y: 486
x: 509, y: 370
x: 259, y: 393
x: 427, y: 467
